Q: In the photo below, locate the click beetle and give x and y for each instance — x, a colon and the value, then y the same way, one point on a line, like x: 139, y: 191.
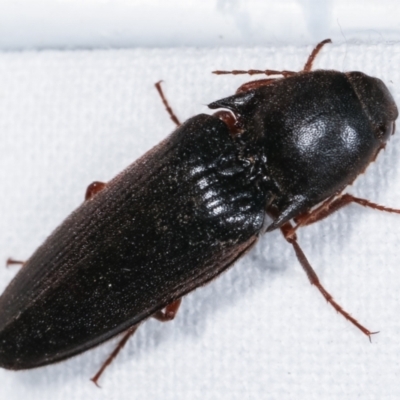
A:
x: 190, y: 207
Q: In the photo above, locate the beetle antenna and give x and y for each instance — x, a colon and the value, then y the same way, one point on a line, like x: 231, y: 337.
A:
x: 171, y: 113
x: 268, y: 72
x: 314, y: 53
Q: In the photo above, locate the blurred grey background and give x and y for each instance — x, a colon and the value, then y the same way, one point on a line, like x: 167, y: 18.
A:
x: 42, y: 24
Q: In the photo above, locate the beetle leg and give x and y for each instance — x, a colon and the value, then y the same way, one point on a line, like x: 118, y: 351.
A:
x: 94, y: 188
x: 163, y: 316
x: 11, y: 261
x: 311, y: 58
x: 314, y: 280
x: 171, y: 113
x: 332, y: 205
x: 114, y: 354
x: 169, y: 313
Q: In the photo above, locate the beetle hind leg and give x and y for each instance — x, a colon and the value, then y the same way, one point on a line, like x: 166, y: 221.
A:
x: 130, y: 332
x: 165, y: 315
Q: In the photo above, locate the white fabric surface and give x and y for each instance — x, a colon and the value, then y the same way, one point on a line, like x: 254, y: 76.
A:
x: 260, y: 331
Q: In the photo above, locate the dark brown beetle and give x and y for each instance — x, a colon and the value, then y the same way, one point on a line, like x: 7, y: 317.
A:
x: 190, y: 207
